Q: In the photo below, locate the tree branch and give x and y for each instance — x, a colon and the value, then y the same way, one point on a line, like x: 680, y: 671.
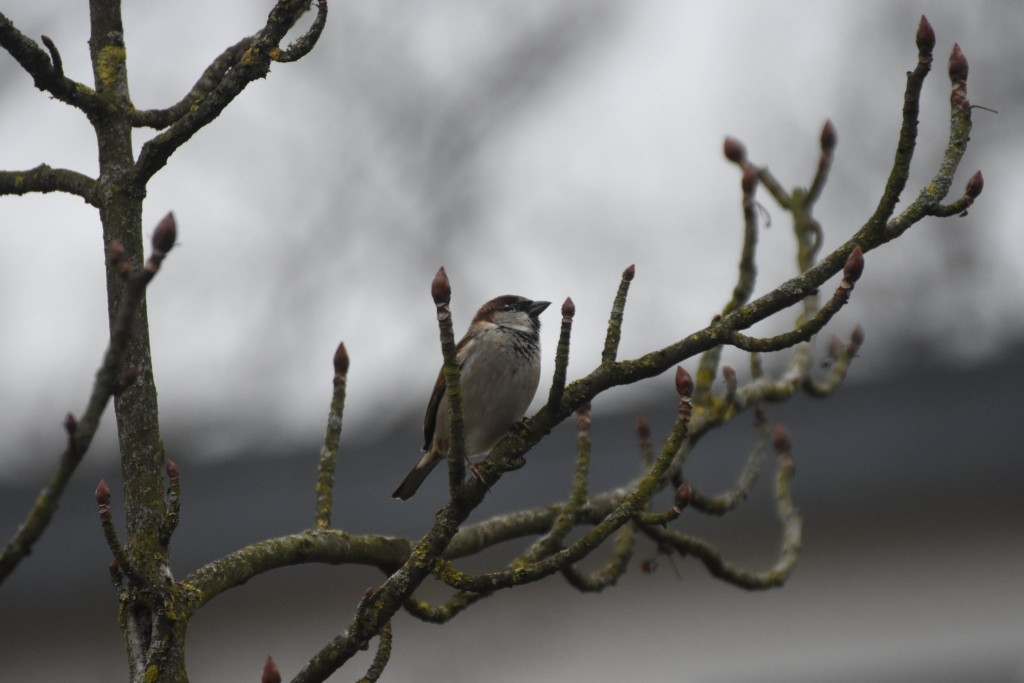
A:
x: 792, y: 531
x: 207, y: 83
x: 325, y: 546
x: 329, y: 453
x: 43, y: 178
x: 46, y: 69
x: 908, y: 132
x: 254, y: 63
x: 110, y: 380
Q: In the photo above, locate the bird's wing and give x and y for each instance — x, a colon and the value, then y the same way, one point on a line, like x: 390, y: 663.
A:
x: 430, y: 419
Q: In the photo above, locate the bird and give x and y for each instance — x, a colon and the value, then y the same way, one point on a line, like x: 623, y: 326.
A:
x: 499, y: 369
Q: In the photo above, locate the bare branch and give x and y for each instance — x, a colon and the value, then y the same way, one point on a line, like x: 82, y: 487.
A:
x: 301, y: 47
x: 109, y: 381
x: 109, y: 532
x: 380, y: 660
x: 562, y: 352
x: 614, y: 335
x: 441, y: 291
x: 908, y: 132
x: 211, y: 78
x: 46, y: 69
x: 852, y: 270
x: 828, y: 146
x: 329, y: 452
x: 234, y: 75
x: 326, y: 546
x: 43, y: 178
x: 751, y: 472
x: 792, y: 532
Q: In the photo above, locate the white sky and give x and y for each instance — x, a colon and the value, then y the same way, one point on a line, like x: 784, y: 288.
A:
x: 319, y: 206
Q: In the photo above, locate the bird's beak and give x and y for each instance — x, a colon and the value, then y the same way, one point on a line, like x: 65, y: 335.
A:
x: 537, y: 307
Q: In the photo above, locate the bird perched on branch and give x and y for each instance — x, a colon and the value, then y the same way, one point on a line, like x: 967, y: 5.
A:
x: 499, y: 367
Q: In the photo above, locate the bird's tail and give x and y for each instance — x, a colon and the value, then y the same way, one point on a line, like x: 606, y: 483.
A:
x: 416, y: 475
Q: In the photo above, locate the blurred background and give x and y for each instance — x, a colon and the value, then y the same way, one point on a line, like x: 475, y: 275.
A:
x: 535, y: 148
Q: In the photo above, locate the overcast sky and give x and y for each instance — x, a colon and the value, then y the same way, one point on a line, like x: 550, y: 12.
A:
x: 535, y: 148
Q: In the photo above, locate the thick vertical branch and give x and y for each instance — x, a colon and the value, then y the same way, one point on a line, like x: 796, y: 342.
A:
x: 120, y: 200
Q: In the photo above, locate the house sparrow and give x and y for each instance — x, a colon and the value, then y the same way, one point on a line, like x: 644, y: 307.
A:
x: 499, y: 364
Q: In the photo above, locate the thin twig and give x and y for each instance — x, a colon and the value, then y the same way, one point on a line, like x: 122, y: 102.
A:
x: 332, y: 438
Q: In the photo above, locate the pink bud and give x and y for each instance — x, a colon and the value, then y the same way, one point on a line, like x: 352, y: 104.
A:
x: 828, y: 137
x: 642, y: 428
x: 854, y: 265
x: 684, y: 382
x: 975, y: 185
x: 270, y: 672
x: 440, y: 288
x: 925, y: 36
x: 568, y: 308
x: 835, y: 346
x: 957, y: 65
x: 857, y: 336
x: 102, y: 493
x: 734, y: 150
x: 341, y: 360
x: 629, y: 272
x: 684, y: 494
x: 780, y: 439
x: 165, y: 235
x: 729, y: 375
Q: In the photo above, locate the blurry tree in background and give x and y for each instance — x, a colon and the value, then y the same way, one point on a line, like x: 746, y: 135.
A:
x: 156, y: 609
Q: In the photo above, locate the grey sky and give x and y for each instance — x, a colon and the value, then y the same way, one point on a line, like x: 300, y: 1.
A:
x: 534, y: 148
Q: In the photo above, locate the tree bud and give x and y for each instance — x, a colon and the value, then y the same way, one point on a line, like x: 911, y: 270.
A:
x: 734, y: 150
x: 684, y: 382
x: 440, y: 288
x: 568, y: 308
x: 854, y: 265
x: 828, y: 137
x: 975, y: 185
x: 341, y: 360
x: 780, y: 439
x: 643, y: 429
x: 102, y: 493
x: 270, y: 671
x: 957, y: 65
x: 729, y: 375
x: 835, y: 346
x: 857, y: 337
x: 165, y: 235
x: 925, y: 36
x: 684, y: 494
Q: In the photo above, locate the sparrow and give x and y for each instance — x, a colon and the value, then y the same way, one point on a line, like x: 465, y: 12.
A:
x: 499, y: 369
